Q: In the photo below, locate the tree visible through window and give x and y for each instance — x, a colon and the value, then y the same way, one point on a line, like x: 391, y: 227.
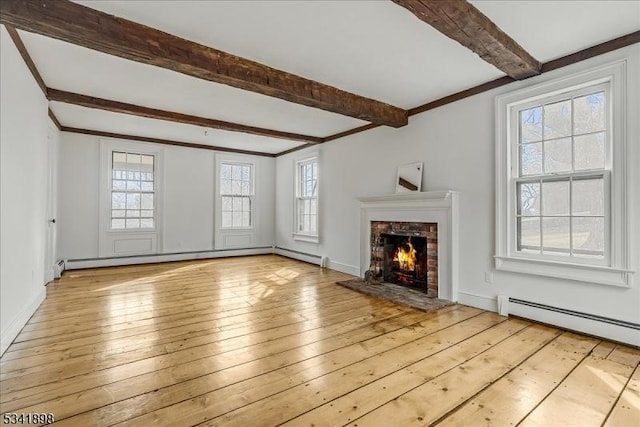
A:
x: 236, y: 191
x: 132, y: 191
x: 562, y: 178
x: 561, y: 181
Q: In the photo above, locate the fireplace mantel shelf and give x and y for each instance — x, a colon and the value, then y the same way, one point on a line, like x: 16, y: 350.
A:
x: 409, y: 196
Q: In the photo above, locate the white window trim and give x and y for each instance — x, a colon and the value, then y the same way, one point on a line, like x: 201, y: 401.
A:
x: 225, y: 238
x: 617, y: 271
x: 251, y: 196
x: 305, y: 237
x: 106, y: 235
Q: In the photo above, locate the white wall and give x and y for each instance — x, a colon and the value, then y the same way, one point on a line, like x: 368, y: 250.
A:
x: 78, y: 201
x: 456, y: 143
x: 188, y: 201
x: 187, y: 222
x: 23, y: 191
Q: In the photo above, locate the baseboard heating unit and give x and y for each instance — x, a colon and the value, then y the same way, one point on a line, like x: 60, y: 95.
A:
x: 72, y: 264
x: 613, y: 329
x: 58, y: 268
x: 301, y: 256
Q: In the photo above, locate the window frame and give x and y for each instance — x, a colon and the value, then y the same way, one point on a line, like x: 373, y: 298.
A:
x: 605, y: 172
x: 614, y: 268
x: 112, y: 151
x: 250, y: 196
x: 111, y: 240
x: 299, y: 163
x: 577, y: 176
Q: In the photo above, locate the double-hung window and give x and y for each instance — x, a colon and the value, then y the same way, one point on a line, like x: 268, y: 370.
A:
x: 132, y: 191
x: 561, y: 182
x: 561, y: 207
x: 130, y: 195
x: 306, y: 200
x: 236, y: 195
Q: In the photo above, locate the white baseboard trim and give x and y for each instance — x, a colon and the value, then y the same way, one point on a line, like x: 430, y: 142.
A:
x: 344, y: 268
x: 11, y: 331
x: 74, y: 264
x: 317, y: 259
x: 624, y: 332
x: 300, y: 256
x: 478, y: 301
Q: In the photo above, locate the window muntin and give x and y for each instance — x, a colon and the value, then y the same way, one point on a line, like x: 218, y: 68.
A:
x: 307, y: 197
x: 132, y: 191
x: 562, y: 176
x: 236, y: 194
x: 612, y: 170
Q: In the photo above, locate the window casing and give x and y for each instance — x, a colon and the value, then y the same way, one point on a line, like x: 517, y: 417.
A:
x: 561, y: 206
x: 236, y: 195
x: 562, y: 176
x: 130, y: 198
x: 306, y: 200
x: 132, y: 191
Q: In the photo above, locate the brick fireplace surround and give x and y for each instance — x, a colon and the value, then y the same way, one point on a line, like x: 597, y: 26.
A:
x: 429, y: 231
x: 436, y: 208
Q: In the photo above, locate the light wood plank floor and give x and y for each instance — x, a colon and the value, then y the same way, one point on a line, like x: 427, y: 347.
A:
x: 264, y: 340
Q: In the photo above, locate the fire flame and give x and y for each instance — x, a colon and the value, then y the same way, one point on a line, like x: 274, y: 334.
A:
x: 406, y: 257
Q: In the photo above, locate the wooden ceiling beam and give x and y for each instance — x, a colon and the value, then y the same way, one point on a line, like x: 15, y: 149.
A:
x: 464, y: 23
x: 152, y: 113
x: 573, y: 58
x: 22, y: 49
x: 54, y: 119
x: 90, y: 28
x: 120, y: 107
x: 590, y: 52
x: 350, y: 132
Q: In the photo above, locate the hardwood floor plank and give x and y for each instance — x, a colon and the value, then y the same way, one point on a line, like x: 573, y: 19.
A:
x: 209, y: 305
x: 225, y: 399
x: 516, y: 394
x: 374, y: 359
x: 67, y: 348
x: 176, y: 288
x: 160, y: 300
x: 265, y: 340
x: 625, y: 355
x: 427, y: 403
x: 600, y: 382
x: 162, y: 388
x: 190, y: 353
x: 195, y: 364
x: 120, y: 354
x: 252, y: 320
x: 360, y: 401
x: 626, y: 411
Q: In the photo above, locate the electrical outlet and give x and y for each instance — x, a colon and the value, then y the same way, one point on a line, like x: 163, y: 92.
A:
x: 488, y: 277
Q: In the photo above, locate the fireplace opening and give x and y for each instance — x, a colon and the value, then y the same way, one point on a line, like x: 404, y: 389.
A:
x: 405, y: 253
x: 405, y: 260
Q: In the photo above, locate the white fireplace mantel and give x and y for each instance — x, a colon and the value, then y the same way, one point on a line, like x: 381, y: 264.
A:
x: 440, y: 207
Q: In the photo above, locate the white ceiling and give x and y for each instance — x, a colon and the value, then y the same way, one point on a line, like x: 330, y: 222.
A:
x: 106, y: 121
x: 372, y: 48
x: 88, y: 72
x: 551, y: 29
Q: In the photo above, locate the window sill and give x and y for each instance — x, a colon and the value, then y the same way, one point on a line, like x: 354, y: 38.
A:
x: 568, y: 271
x: 132, y: 230
x: 306, y: 238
